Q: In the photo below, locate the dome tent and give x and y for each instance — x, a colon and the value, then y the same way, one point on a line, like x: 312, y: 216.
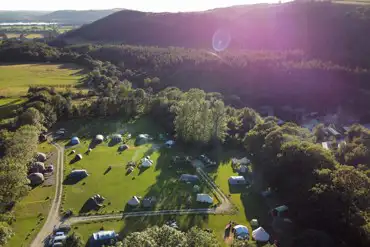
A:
x: 41, y: 157
x: 36, y: 178
x: 116, y: 138
x: 260, y: 235
x: 146, y: 162
x: 99, y: 138
x: 37, y: 167
x: 75, y: 140
x: 241, y: 232
x: 78, y: 157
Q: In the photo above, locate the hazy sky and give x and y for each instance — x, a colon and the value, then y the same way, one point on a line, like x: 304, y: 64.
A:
x: 145, y: 5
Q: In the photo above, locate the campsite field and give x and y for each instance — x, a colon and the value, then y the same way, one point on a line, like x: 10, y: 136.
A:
x: 16, y: 79
x: 32, y: 210
x: 250, y: 205
x: 118, y: 187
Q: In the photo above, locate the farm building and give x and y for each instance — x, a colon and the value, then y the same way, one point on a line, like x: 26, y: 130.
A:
x: 37, y: 167
x: 36, y: 178
x: 116, y: 138
x: 241, y: 232
x: 78, y: 173
x: 75, y: 140
x: 333, y: 132
x: 237, y: 180
x: 146, y: 162
x: 41, y: 157
x: 189, y: 178
x: 134, y: 201
x: 260, y: 235
x: 103, y: 238
x: 99, y: 138
x: 204, y: 198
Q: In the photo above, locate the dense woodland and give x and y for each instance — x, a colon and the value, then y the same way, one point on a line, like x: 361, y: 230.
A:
x: 327, y: 191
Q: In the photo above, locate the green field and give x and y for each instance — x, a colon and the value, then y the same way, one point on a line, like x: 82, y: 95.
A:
x: 31, y: 211
x: 250, y: 205
x: 16, y: 79
x: 160, y: 180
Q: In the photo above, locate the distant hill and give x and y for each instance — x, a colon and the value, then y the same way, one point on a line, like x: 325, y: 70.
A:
x: 61, y: 16
x: 76, y: 17
x: 327, y: 30
x: 15, y: 16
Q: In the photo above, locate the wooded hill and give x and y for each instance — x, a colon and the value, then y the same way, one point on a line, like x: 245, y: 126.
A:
x: 322, y: 30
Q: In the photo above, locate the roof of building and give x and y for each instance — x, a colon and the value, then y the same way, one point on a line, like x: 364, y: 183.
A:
x: 104, y: 235
x: 333, y: 131
x: 204, y: 198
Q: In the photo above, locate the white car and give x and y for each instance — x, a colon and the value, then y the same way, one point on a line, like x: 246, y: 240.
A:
x: 58, y: 239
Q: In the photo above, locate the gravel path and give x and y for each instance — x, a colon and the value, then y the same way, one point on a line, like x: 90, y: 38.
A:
x: 53, y: 218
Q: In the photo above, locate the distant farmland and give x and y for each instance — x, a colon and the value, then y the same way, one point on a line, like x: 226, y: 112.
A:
x: 16, y: 79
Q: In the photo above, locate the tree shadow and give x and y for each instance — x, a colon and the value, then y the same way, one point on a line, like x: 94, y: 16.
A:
x: 107, y: 170
x: 142, y: 170
x: 88, y: 206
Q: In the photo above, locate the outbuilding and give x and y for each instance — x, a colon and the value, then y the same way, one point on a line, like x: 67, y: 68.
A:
x: 189, y: 178
x: 41, y: 157
x: 36, y: 178
x: 75, y: 140
x: 104, y: 238
x: 204, y: 198
x: 237, y: 180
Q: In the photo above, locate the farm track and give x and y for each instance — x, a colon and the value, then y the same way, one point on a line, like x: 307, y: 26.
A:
x: 54, y: 219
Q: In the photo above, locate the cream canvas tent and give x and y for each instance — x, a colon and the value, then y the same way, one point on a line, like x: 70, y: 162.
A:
x: 41, y: 157
x: 134, y: 201
x: 37, y: 167
x: 260, y: 235
x: 36, y: 178
x: 204, y: 198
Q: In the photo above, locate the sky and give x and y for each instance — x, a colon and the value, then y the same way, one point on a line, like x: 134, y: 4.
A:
x: 143, y: 5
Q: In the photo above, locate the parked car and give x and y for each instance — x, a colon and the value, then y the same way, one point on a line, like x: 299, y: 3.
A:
x: 206, y: 161
x: 58, y: 239
x: 49, y: 169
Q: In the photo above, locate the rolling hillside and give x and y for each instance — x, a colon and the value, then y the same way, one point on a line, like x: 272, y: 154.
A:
x: 325, y: 30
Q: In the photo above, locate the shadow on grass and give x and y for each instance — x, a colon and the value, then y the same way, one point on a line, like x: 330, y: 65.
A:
x: 88, y: 206
x: 72, y: 180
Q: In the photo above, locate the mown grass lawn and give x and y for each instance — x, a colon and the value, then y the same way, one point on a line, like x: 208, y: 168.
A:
x: 8, y: 106
x: 16, y: 79
x: 32, y: 210
x: 118, y: 187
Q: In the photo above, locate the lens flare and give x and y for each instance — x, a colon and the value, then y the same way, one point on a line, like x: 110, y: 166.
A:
x: 221, y: 40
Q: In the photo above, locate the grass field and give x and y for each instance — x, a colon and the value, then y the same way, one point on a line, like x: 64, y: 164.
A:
x: 8, y: 105
x: 32, y: 210
x: 160, y: 180
x: 16, y: 79
x: 250, y: 205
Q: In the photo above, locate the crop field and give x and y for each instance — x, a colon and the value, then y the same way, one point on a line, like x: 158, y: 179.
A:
x: 16, y: 79
x: 118, y: 187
